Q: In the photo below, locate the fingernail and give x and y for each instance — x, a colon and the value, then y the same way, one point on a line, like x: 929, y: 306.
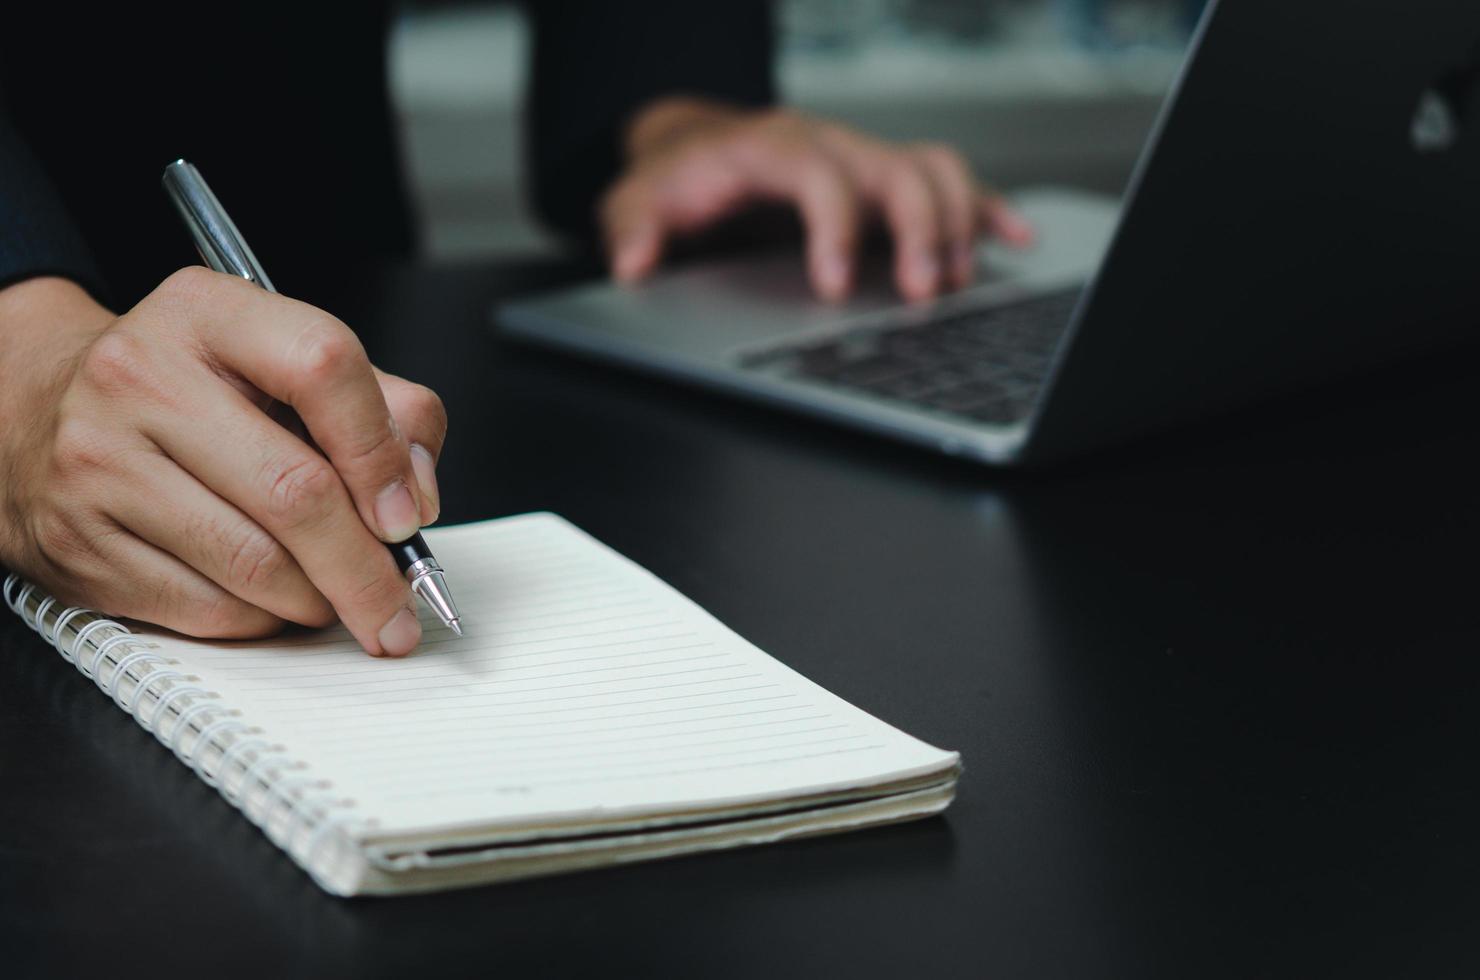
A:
x: 632, y: 256
x: 397, y: 513
x: 832, y: 275
x: 1016, y: 228
x: 626, y: 264
x: 925, y: 270
x: 426, y: 476
x: 401, y: 634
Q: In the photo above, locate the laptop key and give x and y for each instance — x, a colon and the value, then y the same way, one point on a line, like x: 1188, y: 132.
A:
x: 967, y: 396
x: 907, y: 387
x: 979, y: 365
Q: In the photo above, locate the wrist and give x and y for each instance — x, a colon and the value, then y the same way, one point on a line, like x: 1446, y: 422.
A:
x: 45, y: 315
x: 45, y: 322
x: 49, y: 305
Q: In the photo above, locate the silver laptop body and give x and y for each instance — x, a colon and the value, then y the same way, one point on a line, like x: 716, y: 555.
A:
x: 1291, y: 217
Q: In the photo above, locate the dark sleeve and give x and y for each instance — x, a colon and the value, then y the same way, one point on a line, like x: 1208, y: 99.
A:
x: 37, y: 238
x: 596, y: 62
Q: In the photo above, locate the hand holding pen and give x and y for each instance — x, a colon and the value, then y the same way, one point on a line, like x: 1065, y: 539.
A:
x: 143, y: 480
x: 394, y: 512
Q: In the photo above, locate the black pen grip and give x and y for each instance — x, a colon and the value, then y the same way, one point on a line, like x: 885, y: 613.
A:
x: 410, y: 551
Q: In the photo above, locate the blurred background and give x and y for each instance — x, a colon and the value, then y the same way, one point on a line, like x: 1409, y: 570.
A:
x: 1032, y: 91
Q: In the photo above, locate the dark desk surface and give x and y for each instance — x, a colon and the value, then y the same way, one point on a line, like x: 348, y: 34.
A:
x: 1215, y: 698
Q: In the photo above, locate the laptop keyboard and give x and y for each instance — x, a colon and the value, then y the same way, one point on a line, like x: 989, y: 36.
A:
x: 983, y: 366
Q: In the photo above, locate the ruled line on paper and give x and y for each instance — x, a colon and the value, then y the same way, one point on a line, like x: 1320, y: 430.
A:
x: 283, y: 669
x: 498, y: 740
x: 464, y: 669
x: 454, y: 728
x: 391, y: 697
x: 474, y: 749
x: 651, y: 768
x: 581, y: 600
x: 357, y: 730
x: 352, y: 656
x: 568, y: 708
x: 358, y: 709
x: 540, y: 582
x: 494, y: 634
x: 711, y: 769
x: 339, y: 637
x: 399, y: 686
x: 424, y: 779
x: 470, y: 756
x: 605, y: 766
x: 582, y: 603
x: 466, y: 789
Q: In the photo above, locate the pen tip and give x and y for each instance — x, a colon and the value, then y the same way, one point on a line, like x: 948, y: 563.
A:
x: 456, y: 627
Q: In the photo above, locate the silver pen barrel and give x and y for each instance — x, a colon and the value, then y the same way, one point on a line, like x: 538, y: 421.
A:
x: 220, y: 245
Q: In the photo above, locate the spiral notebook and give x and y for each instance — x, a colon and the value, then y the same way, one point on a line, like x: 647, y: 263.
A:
x: 590, y: 715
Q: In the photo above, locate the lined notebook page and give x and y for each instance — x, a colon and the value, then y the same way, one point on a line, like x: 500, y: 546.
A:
x: 583, y: 687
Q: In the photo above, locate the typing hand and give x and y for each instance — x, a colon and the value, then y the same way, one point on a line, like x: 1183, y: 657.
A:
x: 142, y: 476
x: 692, y: 163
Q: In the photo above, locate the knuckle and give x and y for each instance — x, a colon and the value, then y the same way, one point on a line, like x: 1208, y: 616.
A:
x: 190, y: 283
x: 902, y: 175
x: 214, y: 613
x: 253, y: 561
x: 80, y: 446
x: 908, y: 196
x: 419, y: 413
x: 60, y: 540
x: 774, y: 131
x: 325, y: 347
x: 942, y: 154
x: 824, y: 189
x: 379, y: 449
x: 427, y: 408
x: 201, y: 615
x: 816, y: 170
x: 300, y: 490
x: 118, y: 362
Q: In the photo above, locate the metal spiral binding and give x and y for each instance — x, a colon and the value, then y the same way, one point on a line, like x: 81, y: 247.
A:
x: 296, y: 812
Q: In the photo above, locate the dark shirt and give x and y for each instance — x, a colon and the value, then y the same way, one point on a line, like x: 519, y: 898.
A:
x: 285, y: 109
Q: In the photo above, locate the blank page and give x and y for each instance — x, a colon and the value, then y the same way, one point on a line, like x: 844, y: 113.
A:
x: 584, y: 688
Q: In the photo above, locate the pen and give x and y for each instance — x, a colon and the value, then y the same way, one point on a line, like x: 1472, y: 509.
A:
x: 223, y: 249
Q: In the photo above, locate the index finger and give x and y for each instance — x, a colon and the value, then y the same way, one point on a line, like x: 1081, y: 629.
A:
x: 309, y: 360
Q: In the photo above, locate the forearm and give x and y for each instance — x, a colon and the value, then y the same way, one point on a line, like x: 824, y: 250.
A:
x: 44, y: 322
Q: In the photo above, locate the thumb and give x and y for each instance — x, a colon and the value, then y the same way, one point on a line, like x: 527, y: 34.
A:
x: 635, y: 252
x: 634, y: 236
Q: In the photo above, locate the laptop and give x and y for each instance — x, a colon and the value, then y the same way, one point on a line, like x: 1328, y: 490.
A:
x: 1307, y: 205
